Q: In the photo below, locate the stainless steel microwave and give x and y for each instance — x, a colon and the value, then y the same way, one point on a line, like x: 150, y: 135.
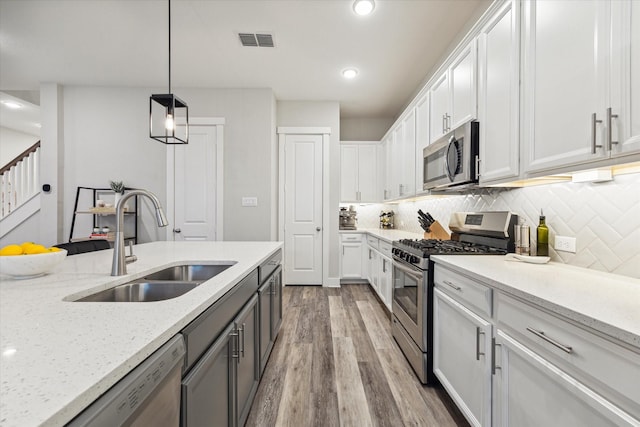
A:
x: 452, y: 161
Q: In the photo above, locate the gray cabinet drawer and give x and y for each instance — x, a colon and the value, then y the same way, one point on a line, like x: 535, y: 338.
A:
x: 464, y: 289
x: 605, y: 366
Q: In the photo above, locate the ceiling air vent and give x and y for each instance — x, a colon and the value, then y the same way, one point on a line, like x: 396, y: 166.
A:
x: 260, y: 40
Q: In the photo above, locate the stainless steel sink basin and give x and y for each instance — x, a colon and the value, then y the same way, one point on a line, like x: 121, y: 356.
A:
x: 189, y: 272
x: 161, y: 285
x: 142, y: 292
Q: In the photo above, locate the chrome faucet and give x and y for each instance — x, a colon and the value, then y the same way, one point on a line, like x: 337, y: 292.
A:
x: 120, y: 261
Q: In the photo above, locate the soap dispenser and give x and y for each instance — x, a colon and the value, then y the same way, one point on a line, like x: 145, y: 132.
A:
x: 542, y: 236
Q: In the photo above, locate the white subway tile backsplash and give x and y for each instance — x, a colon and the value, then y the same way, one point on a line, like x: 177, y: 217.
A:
x: 604, y: 217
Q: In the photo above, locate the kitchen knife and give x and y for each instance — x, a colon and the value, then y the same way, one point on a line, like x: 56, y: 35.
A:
x: 430, y: 218
x: 424, y: 216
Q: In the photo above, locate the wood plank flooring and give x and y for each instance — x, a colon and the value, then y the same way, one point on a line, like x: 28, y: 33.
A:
x: 335, y: 363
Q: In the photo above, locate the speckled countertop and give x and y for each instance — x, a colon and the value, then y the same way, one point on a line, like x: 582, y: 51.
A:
x: 388, y: 235
x: 608, y: 303
x: 58, y: 356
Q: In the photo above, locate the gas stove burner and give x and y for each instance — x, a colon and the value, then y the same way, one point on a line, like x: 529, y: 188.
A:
x: 417, y: 252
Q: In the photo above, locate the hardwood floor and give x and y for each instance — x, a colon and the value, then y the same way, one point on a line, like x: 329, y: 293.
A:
x: 335, y: 363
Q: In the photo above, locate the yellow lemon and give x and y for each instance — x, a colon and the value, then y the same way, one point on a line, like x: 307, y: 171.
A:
x: 35, y: 249
x: 11, y: 250
x: 54, y: 249
x: 25, y: 245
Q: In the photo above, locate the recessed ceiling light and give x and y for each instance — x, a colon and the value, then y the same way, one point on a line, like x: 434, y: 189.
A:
x: 12, y: 105
x: 363, y: 7
x: 38, y: 125
x: 349, y: 73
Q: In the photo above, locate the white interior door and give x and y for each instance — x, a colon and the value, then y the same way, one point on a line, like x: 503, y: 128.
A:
x: 303, y: 209
x: 195, y: 186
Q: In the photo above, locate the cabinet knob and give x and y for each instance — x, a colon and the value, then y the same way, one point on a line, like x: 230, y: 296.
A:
x: 318, y: 228
x: 177, y: 230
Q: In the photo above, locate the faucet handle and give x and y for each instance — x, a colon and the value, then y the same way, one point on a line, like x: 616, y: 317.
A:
x: 128, y: 259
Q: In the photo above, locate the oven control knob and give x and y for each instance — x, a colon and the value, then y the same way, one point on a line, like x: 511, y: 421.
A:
x: 414, y: 259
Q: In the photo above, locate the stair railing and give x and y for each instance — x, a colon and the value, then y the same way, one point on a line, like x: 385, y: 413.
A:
x: 19, y: 180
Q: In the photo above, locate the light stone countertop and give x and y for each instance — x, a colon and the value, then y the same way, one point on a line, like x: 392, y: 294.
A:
x: 388, y: 235
x: 606, y: 302
x: 58, y: 356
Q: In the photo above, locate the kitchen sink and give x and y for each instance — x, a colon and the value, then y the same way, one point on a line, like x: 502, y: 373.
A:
x: 161, y: 285
x: 143, y: 291
x: 189, y: 272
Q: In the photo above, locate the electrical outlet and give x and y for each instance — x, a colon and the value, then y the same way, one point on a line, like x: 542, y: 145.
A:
x: 565, y: 244
x: 250, y: 201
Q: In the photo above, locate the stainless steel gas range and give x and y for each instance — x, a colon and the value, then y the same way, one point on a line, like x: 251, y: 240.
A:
x: 474, y: 233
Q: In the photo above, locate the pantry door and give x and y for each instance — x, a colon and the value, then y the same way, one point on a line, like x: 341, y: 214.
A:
x: 197, y: 185
x: 303, y: 233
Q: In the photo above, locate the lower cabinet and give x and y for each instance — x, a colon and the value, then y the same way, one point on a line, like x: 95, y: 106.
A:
x: 530, y: 391
x: 461, y: 360
x: 351, y: 256
x: 373, y: 270
x: 218, y: 391
x: 385, y: 281
x: 270, y: 302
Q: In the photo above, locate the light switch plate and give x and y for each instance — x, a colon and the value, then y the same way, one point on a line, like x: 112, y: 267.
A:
x: 565, y: 244
x: 250, y: 201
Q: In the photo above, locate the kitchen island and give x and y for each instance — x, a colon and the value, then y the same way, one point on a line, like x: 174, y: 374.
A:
x: 59, y: 355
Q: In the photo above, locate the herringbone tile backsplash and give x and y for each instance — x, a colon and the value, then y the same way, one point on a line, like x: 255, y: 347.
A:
x: 604, y: 218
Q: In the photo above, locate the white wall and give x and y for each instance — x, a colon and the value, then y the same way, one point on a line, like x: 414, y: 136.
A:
x: 107, y: 138
x: 364, y: 129
x: 13, y: 142
x: 321, y: 114
x: 604, y: 217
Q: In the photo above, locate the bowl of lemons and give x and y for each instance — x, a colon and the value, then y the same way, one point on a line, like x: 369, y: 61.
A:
x: 29, y: 260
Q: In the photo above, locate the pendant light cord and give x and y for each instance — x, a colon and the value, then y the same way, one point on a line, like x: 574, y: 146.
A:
x: 169, y: 46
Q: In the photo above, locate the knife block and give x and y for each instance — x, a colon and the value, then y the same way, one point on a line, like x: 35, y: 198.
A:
x: 437, y: 232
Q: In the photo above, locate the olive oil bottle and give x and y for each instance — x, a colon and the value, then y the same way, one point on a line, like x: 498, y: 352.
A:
x: 542, y: 236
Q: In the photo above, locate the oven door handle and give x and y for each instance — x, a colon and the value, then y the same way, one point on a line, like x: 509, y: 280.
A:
x: 400, y: 265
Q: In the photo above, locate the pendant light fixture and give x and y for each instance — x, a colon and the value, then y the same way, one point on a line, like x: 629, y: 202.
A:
x: 169, y: 112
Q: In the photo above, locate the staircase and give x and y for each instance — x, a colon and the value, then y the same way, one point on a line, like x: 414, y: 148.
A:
x: 19, y: 189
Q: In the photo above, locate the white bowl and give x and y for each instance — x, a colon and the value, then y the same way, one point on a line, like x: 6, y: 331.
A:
x: 27, y: 266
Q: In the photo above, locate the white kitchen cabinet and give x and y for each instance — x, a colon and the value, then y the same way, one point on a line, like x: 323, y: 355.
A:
x: 391, y: 160
x: 578, y: 80
x: 358, y: 172
x: 385, y: 281
x: 373, y: 268
x: 422, y: 137
x: 453, y: 94
x: 351, y: 258
x: 407, y: 151
x: 530, y: 391
x: 461, y: 357
x: 498, y: 95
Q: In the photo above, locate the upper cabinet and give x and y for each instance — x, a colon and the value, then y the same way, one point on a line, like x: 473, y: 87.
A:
x: 408, y: 150
x: 422, y: 137
x: 453, y: 93
x: 578, y: 77
x: 498, y: 95
x: 358, y: 172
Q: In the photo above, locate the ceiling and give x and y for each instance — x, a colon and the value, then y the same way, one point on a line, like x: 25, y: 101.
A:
x: 124, y: 43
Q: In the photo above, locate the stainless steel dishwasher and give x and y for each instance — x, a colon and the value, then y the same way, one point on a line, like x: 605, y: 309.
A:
x: 147, y: 396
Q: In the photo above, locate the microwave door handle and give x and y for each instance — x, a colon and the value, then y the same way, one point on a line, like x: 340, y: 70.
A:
x: 447, y: 166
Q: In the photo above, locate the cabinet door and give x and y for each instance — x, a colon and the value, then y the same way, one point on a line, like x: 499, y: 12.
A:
x: 422, y: 137
x: 461, y: 357
x: 439, y: 106
x: 367, y: 173
x: 276, y: 309
x: 499, y: 85
x: 530, y: 391
x: 248, y: 369
x: 351, y: 261
x: 462, y: 73
x: 390, y: 167
x: 396, y: 160
x: 265, y: 308
x: 564, y: 82
x: 625, y: 79
x: 385, y: 281
x: 348, y: 173
x: 372, y: 268
x: 207, y: 398
x: 408, y: 152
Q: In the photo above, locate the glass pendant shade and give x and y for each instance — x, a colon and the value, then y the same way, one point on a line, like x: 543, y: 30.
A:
x: 168, y: 119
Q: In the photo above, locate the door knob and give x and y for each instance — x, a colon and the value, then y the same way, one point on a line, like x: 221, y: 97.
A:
x: 176, y: 230
x: 318, y: 228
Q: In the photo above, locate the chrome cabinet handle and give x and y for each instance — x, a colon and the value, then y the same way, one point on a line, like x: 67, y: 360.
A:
x: 609, y: 129
x: 541, y: 334
x: 235, y: 354
x: 448, y: 118
x: 477, y: 167
x: 448, y: 283
x: 594, y: 122
x: 318, y: 228
x: 384, y: 265
x: 369, y: 253
x: 478, y: 333
x: 493, y: 356
x: 242, y: 348
x: 444, y: 123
